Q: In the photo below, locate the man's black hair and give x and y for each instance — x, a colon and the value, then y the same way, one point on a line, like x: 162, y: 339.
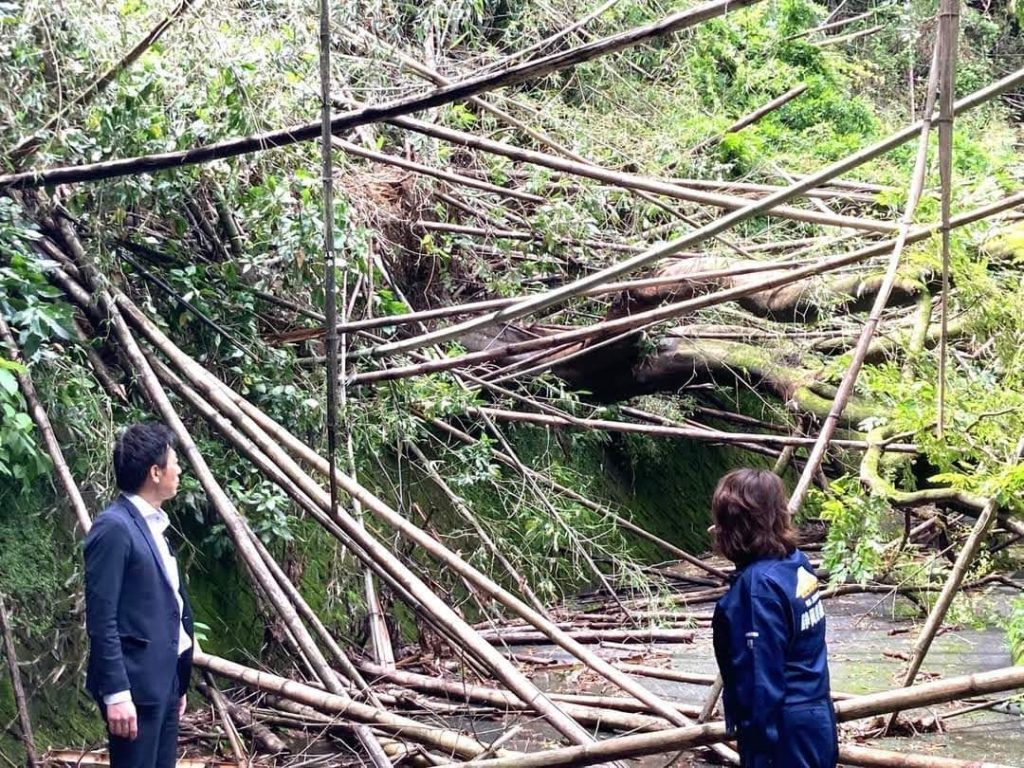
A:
x: 137, y: 449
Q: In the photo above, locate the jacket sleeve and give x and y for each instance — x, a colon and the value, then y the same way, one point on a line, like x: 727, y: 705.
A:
x: 106, y: 553
x: 763, y: 634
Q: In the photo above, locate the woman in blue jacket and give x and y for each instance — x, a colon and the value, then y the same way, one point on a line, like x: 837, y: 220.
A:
x: 769, y: 631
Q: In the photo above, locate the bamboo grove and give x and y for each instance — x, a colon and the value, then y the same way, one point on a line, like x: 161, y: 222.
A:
x: 493, y: 275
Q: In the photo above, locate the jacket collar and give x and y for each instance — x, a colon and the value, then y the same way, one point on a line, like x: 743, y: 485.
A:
x: 143, y: 526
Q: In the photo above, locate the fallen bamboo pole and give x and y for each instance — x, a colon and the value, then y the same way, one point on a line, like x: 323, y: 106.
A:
x: 855, y: 754
x: 454, y: 690
x: 704, y: 434
x: 451, y: 742
x: 517, y: 234
x: 553, y: 38
x: 20, y: 702
x: 268, y: 741
x: 674, y: 739
x: 752, y: 117
x: 559, y: 295
x: 29, y: 144
x: 216, y: 698
x: 358, y: 117
x: 650, y: 636
x: 473, y: 307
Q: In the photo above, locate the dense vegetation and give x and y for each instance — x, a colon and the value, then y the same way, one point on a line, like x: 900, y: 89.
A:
x: 201, y: 247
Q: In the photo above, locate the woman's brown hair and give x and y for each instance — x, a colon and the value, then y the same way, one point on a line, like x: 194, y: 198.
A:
x: 751, y: 518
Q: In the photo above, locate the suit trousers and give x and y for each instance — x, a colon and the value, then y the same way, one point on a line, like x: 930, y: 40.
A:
x: 156, y: 745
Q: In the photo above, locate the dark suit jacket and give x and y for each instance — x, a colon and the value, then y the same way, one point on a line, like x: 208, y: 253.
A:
x: 131, y: 613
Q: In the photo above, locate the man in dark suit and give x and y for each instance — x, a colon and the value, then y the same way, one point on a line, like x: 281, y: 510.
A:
x: 137, y: 612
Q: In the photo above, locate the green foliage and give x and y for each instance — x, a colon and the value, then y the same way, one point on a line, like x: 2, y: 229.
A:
x: 853, y: 550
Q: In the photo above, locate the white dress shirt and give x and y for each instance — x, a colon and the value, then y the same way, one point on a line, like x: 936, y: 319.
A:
x: 158, y: 522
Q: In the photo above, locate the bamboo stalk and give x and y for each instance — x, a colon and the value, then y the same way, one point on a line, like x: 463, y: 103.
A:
x: 210, y: 690
x: 752, y: 117
x: 729, y: 185
x: 856, y: 754
x: 42, y: 422
x: 721, y: 224
x: 373, y: 749
x: 515, y: 234
x: 658, y: 314
x: 553, y: 38
x: 949, y: 21
x: 269, y: 741
x: 649, y: 636
x: 832, y: 25
x: 99, y: 368
x: 472, y: 307
x: 461, y: 691
x: 708, y: 434
x: 20, y: 703
x: 850, y: 36
x: 434, y: 98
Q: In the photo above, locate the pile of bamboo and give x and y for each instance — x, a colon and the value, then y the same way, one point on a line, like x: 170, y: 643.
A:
x: 393, y: 713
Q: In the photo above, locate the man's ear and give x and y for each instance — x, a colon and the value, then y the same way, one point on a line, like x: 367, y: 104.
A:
x: 154, y: 474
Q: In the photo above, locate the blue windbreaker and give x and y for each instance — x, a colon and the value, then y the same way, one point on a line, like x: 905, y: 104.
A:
x: 769, y: 638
